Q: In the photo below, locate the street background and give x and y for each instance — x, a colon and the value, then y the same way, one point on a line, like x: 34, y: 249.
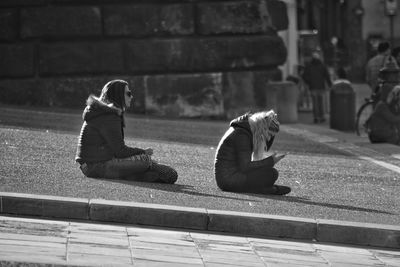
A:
x: 191, y: 59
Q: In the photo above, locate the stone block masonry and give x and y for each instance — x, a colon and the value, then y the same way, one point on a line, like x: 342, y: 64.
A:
x: 183, y: 58
x: 81, y: 58
x: 9, y: 24
x: 149, y: 20
x: 205, y: 54
x: 63, y: 21
x: 17, y: 60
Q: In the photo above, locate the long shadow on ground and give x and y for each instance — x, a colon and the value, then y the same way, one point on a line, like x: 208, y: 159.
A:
x: 188, y: 189
x: 307, y: 201
x: 176, y: 188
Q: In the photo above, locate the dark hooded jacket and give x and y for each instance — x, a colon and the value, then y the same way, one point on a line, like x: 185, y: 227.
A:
x: 235, y: 149
x: 384, y: 125
x: 316, y: 75
x: 102, y: 134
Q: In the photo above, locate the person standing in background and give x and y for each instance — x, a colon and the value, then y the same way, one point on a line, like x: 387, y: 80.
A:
x: 376, y: 63
x: 316, y: 76
x: 384, y: 123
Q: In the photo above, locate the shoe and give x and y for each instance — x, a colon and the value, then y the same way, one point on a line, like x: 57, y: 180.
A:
x: 278, y: 190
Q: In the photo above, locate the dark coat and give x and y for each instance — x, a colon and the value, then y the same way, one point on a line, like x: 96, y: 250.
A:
x: 234, y: 151
x: 316, y: 75
x: 384, y: 125
x: 102, y: 135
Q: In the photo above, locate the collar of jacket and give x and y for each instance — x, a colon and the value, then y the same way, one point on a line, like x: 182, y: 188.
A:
x: 95, y: 107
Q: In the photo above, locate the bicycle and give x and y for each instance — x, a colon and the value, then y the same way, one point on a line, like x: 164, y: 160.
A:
x: 363, y: 114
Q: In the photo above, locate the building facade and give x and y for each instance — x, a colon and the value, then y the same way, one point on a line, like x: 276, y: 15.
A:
x: 347, y: 31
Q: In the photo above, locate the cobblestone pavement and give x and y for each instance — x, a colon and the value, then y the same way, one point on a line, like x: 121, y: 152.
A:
x: 33, y: 242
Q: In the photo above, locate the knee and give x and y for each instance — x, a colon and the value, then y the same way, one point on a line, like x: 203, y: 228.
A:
x: 173, y: 176
x: 169, y: 176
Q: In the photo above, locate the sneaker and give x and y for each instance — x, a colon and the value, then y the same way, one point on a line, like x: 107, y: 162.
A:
x: 278, y: 190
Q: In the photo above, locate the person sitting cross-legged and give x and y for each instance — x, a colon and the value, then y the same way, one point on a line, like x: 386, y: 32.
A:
x: 384, y: 122
x: 101, y: 150
x: 240, y: 161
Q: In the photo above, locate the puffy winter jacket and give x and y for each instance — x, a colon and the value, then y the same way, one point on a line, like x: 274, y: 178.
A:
x: 316, y: 75
x: 384, y: 126
x: 235, y: 149
x: 102, y: 135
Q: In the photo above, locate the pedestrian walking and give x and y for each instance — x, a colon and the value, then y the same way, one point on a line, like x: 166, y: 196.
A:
x: 241, y: 163
x: 316, y: 76
x: 384, y: 123
x: 376, y: 63
x: 101, y: 150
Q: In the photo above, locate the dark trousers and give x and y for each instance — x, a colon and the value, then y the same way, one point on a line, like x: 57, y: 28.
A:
x: 391, y: 137
x: 317, y: 97
x: 131, y: 169
x: 256, y: 181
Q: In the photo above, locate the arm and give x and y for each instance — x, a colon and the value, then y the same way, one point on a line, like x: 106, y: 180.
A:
x: 243, y: 144
x: 327, y: 77
x: 112, y: 134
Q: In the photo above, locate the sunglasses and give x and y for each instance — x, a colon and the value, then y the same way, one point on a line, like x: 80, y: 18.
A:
x: 128, y: 94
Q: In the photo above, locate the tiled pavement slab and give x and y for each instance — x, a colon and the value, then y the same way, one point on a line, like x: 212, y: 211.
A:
x: 194, y: 219
x: 60, y: 243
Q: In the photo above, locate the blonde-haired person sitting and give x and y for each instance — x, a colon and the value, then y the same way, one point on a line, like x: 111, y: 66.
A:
x: 384, y: 123
x: 240, y: 161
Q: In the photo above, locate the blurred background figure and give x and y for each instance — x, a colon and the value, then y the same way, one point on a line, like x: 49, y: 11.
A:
x: 396, y: 55
x: 384, y: 123
x: 376, y: 63
x: 317, y: 77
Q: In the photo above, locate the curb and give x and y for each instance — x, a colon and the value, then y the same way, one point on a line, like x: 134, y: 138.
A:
x: 262, y: 225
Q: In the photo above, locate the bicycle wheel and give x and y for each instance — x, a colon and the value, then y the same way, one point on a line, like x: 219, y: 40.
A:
x: 362, y: 115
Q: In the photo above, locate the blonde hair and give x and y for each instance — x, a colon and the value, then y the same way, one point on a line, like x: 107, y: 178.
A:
x: 262, y: 124
x: 394, y: 95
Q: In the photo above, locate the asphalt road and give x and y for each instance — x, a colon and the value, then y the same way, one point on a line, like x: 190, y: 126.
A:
x: 37, y: 149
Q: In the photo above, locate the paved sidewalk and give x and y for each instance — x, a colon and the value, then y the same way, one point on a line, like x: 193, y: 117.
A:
x: 60, y: 243
x: 179, y: 217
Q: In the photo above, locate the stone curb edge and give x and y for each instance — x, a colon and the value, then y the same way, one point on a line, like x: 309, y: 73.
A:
x: 354, y: 233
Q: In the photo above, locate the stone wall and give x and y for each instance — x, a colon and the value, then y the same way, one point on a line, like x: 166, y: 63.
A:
x: 182, y: 58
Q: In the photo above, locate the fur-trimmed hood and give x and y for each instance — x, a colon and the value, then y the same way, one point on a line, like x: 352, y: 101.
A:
x: 95, y: 107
